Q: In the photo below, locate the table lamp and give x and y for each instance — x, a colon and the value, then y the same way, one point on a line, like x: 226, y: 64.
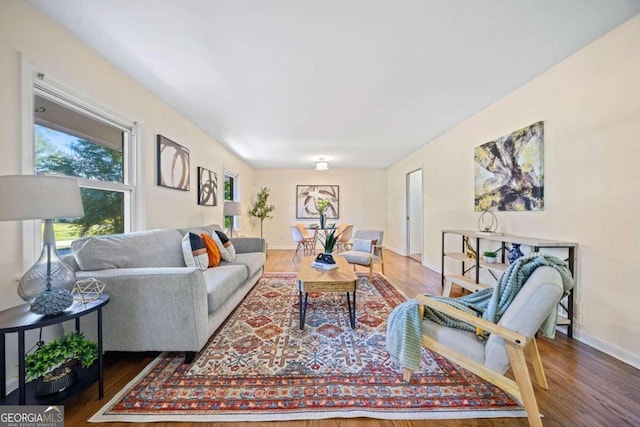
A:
x: 232, y: 209
x: 48, y: 283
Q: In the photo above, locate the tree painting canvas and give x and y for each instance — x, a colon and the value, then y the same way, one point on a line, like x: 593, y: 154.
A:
x: 173, y: 164
x: 509, y: 171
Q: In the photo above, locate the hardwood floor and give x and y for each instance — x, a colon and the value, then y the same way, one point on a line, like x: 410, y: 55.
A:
x: 586, y: 387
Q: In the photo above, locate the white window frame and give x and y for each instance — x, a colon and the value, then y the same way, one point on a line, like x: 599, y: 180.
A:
x: 34, y: 83
x: 236, y: 193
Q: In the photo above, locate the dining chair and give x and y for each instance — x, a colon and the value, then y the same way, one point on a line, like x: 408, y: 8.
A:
x: 311, y: 238
x: 344, y: 241
x: 303, y: 243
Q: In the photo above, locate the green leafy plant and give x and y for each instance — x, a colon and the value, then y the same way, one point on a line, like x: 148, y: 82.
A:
x: 67, y: 350
x: 322, y: 205
x: 490, y: 254
x: 330, y: 241
x: 261, y: 209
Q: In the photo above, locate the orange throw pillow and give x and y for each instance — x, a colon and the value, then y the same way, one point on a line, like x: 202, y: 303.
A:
x: 212, y: 250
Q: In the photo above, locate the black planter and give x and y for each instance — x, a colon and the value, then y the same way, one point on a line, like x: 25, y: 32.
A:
x: 45, y: 387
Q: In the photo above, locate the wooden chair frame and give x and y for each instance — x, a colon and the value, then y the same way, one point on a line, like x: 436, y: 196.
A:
x: 376, y: 251
x: 516, y: 344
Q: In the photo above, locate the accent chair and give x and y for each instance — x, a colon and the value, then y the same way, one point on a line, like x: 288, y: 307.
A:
x: 508, y: 340
x: 366, y: 250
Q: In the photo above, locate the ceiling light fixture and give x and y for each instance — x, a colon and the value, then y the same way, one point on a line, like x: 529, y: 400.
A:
x: 322, y: 165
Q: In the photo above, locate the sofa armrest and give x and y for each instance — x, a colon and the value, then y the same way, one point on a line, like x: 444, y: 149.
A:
x: 153, y: 309
x: 249, y: 244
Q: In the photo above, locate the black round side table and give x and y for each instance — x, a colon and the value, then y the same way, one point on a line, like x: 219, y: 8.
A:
x: 19, y: 319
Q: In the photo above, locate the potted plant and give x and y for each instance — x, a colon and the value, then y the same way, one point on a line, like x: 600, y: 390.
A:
x: 51, y: 364
x: 260, y: 208
x: 490, y: 256
x: 330, y: 241
x: 321, y: 206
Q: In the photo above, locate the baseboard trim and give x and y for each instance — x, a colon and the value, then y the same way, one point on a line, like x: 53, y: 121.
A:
x: 611, y: 349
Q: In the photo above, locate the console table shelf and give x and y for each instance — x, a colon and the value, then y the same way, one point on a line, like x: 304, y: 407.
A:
x: 476, y: 264
x: 18, y: 320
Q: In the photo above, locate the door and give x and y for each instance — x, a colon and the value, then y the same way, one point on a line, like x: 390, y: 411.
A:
x: 414, y: 215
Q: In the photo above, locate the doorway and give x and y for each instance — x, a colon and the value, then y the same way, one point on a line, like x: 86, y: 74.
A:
x: 414, y: 215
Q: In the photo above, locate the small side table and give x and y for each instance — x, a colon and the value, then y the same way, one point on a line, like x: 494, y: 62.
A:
x: 19, y: 319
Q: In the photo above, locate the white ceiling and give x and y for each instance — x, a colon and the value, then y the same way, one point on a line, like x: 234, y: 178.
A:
x: 362, y: 83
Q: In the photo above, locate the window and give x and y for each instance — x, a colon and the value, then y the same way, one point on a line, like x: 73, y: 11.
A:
x: 230, y: 194
x: 76, y: 139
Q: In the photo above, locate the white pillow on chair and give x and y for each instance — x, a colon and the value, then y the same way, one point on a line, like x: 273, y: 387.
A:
x: 362, y: 245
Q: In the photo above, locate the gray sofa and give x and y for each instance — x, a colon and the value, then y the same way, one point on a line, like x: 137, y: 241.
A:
x: 157, y: 303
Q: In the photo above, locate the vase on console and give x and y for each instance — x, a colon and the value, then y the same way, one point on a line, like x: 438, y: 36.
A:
x: 322, y: 220
x: 515, y: 253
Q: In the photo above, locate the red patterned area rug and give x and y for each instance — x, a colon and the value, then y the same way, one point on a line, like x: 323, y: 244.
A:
x: 259, y: 366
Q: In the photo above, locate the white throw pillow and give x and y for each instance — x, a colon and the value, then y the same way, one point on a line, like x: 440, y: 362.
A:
x: 226, y: 248
x: 194, y: 251
x: 361, y: 245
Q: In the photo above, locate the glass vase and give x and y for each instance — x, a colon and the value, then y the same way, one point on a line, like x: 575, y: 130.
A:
x: 48, y: 283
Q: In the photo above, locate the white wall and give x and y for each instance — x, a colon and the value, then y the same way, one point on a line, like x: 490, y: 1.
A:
x: 590, y: 104
x: 24, y: 32
x: 363, y: 194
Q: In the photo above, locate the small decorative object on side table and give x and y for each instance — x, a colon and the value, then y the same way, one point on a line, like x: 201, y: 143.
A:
x: 488, y: 223
x: 515, y: 253
x: 490, y: 256
x: 87, y: 290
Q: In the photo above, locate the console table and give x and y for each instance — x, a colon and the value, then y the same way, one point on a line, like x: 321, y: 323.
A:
x: 536, y: 245
x: 20, y: 319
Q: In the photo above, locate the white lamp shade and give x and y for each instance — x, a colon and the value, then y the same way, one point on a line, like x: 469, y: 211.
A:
x: 39, y: 197
x: 232, y: 209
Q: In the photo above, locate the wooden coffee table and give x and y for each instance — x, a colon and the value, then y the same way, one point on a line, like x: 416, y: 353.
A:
x: 341, y: 279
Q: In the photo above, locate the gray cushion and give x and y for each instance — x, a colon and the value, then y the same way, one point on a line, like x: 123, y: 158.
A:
x: 252, y: 261
x: 361, y: 245
x: 376, y: 235
x: 208, y: 229
x: 152, y: 248
x: 249, y: 244
x: 222, y: 281
x: 356, y: 257
x: 540, y: 294
x: 463, y: 342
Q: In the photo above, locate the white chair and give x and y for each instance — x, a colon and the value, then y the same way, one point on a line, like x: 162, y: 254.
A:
x: 505, y: 347
x: 303, y: 243
x: 366, y: 250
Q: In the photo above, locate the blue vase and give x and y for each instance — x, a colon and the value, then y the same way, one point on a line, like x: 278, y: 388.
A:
x: 514, y: 253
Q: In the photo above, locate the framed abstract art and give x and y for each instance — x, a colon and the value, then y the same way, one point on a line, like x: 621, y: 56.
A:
x: 306, y: 196
x: 509, y: 171
x: 173, y: 164
x: 207, y: 187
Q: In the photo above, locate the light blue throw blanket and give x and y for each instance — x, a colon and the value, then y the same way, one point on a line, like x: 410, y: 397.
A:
x: 404, y: 327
